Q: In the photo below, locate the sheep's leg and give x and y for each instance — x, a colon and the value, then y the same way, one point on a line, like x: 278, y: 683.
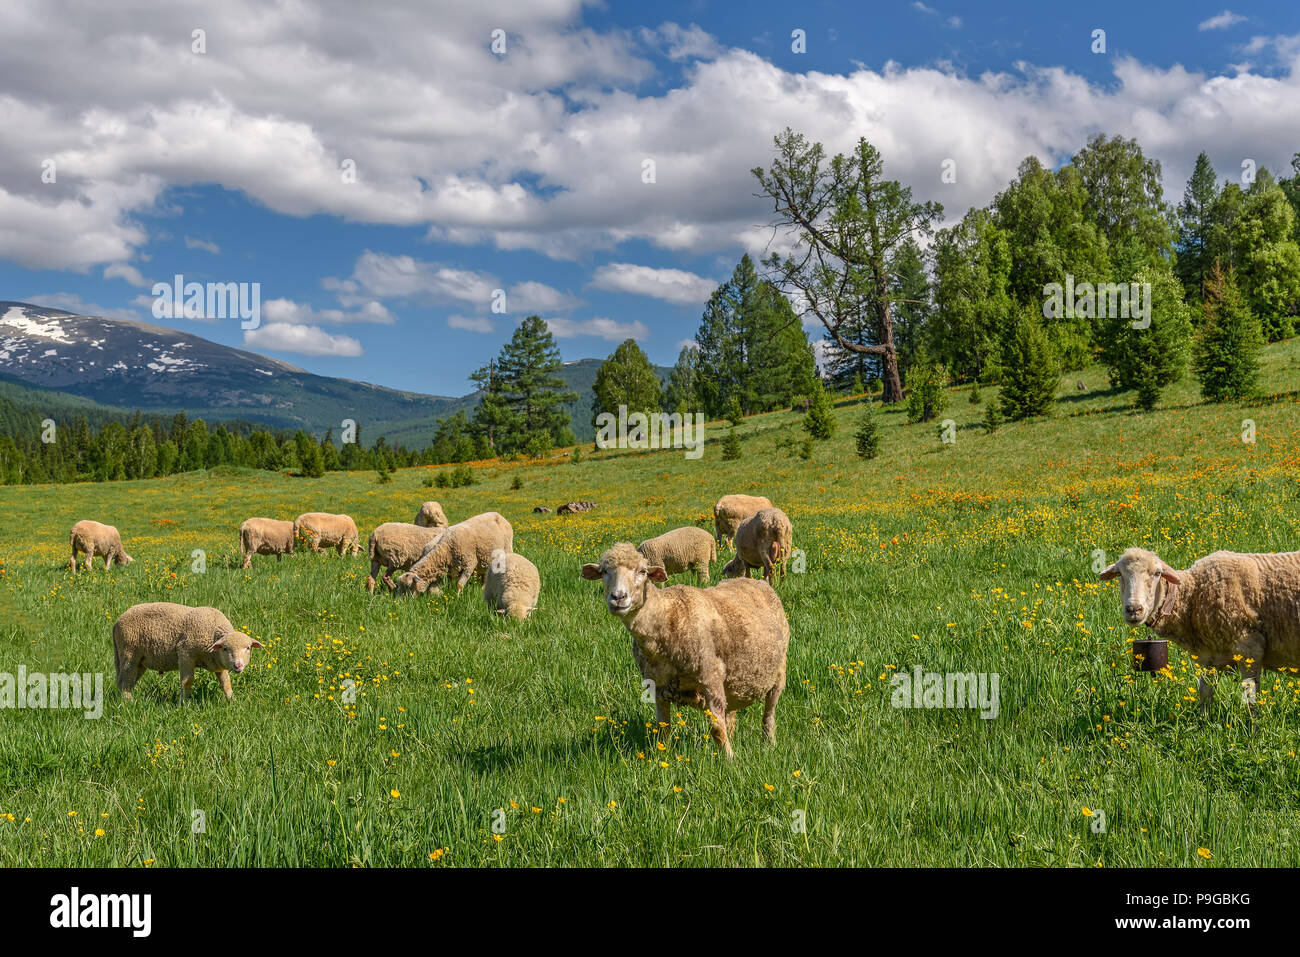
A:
x: 663, y: 726
x: 731, y: 723
x: 769, y: 707
x: 248, y: 560
x: 715, y: 699
x: 224, y: 678
x: 370, y: 579
x: 186, y: 666
x: 462, y: 581
x: 388, y: 578
x: 1252, y: 651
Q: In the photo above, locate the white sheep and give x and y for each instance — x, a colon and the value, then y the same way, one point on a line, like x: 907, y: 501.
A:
x: 722, y: 648
x: 731, y: 510
x: 511, y: 585
x: 265, y: 536
x: 397, y: 546
x: 460, y: 551
x: 165, y: 636
x: 1230, y: 610
x: 764, y: 540
x: 324, y: 530
x: 97, y: 539
x: 431, y: 515
x: 683, y: 549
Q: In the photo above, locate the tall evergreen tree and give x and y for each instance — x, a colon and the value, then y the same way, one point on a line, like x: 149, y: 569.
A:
x: 1195, y: 224
x: 1148, y: 358
x: 628, y: 379
x: 1030, y: 372
x: 1228, y: 342
x: 682, y: 393
x: 973, y: 307
x: 525, y: 392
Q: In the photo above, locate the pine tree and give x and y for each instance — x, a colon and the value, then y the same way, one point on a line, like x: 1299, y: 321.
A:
x: 867, y: 437
x: 1195, y: 223
x: 1229, y: 341
x: 820, y: 421
x: 1030, y: 373
x: 525, y: 392
x: 731, y: 445
x: 925, y: 397
x: 1149, y: 357
x: 625, y: 379
x: 681, y: 394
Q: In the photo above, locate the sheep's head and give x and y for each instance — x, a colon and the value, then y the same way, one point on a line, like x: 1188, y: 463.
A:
x: 627, y: 577
x: 122, y: 557
x: 735, y: 568
x: 411, y: 582
x: 1140, y: 573
x: 233, y: 650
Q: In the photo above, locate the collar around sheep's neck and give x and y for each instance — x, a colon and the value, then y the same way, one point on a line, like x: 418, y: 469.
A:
x: 1166, y: 608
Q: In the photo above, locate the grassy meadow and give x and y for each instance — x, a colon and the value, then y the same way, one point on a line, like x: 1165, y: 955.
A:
x: 975, y: 556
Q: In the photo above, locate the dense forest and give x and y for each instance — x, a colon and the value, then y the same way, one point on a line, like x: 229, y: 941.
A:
x: 1065, y: 267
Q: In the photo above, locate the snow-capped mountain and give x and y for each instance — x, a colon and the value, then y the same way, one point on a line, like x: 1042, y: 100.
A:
x: 135, y: 365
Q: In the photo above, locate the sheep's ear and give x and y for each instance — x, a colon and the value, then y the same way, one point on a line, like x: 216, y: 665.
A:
x: 657, y: 573
x: 1109, y: 573
x: 219, y: 643
x: 255, y: 644
x: 1169, y: 575
x: 591, y: 572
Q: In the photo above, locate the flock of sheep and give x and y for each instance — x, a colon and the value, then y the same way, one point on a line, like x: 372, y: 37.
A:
x: 720, y: 648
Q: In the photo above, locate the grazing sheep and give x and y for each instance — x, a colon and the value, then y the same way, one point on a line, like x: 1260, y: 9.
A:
x: 683, y: 549
x: 323, y: 530
x: 397, y: 546
x: 95, y: 538
x: 512, y: 585
x: 265, y: 536
x: 764, y: 540
x: 542, y: 510
x: 731, y: 510
x: 1230, y: 610
x: 431, y: 515
x: 721, y: 648
x: 165, y: 636
x: 459, y: 552
x: 570, y: 507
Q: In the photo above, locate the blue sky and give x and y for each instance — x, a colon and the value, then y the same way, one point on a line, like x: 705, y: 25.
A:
x: 523, y: 171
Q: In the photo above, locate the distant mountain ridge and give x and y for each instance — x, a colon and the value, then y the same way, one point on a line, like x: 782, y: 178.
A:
x: 125, y: 365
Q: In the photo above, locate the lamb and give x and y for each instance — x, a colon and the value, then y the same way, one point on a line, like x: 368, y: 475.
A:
x: 397, y: 546
x: 323, y: 530
x: 94, y: 539
x: 265, y: 536
x: 721, y: 648
x: 1230, y: 610
x: 431, y: 515
x: 764, y: 540
x: 165, y: 636
x: 683, y: 549
x: 731, y: 510
x: 512, y: 585
x: 459, y: 552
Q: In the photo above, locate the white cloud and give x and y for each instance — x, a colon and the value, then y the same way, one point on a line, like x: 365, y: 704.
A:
x: 128, y: 273
x: 288, y: 311
x: 192, y: 243
x: 677, y: 286
x: 1221, y: 21
x: 305, y: 340
x: 598, y: 327
x: 470, y: 323
x: 540, y: 149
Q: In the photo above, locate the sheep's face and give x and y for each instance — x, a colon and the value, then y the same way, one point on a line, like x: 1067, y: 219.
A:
x: 411, y: 582
x: 123, y: 558
x: 626, y: 575
x: 1140, y: 573
x: 233, y: 651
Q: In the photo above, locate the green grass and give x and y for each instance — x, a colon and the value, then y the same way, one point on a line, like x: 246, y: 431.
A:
x: 985, y: 566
